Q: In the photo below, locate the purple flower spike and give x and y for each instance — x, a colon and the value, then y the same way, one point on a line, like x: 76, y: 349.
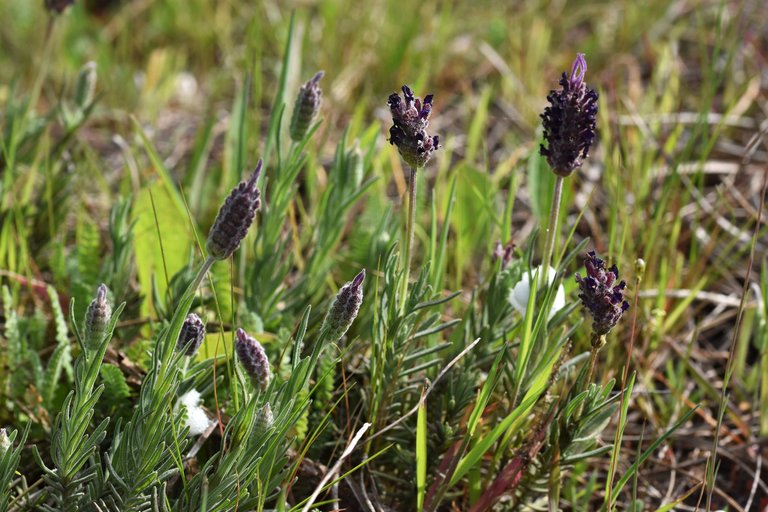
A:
x: 235, y: 217
x: 410, y: 118
x: 192, y: 333
x: 253, y: 358
x: 344, y: 309
x: 569, y: 121
x: 306, y: 107
x: 603, y: 298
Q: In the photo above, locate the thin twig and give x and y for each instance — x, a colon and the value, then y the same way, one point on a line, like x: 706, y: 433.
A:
x: 336, y: 467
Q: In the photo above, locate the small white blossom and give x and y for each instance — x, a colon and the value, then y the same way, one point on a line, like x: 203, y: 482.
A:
x: 197, y: 420
x: 518, y: 296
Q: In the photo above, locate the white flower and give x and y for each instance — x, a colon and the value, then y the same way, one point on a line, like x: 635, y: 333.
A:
x: 518, y: 296
x: 197, y: 420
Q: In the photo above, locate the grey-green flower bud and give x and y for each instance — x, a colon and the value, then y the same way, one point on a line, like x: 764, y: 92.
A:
x: 264, y: 418
x: 97, y: 318
x: 306, y: 107
x: 85, y: 89
x: 344, y: 309
x: 253, y: 358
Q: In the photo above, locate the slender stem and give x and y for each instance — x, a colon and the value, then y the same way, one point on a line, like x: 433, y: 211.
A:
x: 592, y: 365
x: 597, y: 343
x: 551, y: 231
x: 409, y: 235
x: 624, y: 376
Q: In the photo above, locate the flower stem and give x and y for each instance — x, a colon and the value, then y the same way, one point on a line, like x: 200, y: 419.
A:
x: 551, y: 234
x: 592, y: 364
x: 409, y: 235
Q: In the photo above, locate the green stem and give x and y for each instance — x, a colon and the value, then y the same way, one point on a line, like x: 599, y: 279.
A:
x: 551, y: 232
x: 409, y: 236
x: 592, y: 365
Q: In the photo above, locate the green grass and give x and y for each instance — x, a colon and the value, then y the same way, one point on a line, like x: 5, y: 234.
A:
x: 122, y: 186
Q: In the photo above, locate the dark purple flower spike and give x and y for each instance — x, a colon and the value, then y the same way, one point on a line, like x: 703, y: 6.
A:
x: 192, y: 333
x: 235, y: 217
x: 570, y: 121
x: 253, y: 358
x: 410, y: 118
x: 602, y: 294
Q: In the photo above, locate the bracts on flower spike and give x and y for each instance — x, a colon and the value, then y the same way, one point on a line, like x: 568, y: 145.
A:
x: 602, y: 295
x: 253, y: 358
x: 344, y: 309
x: 306, y: 107
x: 235, y: 217
x: 191, y: 335
x: 569, y: 121
x: 410, y: 118
x: 97, y: 318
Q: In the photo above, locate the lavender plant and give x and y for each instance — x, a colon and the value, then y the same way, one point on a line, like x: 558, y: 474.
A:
x: 570, y: 122
x: 461, y: 386
x: 410, y: 119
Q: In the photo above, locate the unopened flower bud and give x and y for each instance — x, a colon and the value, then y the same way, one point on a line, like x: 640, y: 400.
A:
x: 235, y: 217
x: 601, y: 295
x: 306, y: 107
x: 639, y: 268
x: 191, y: 335
x: 264, y: 418
x: 344, y: 309
x: 569, y: 121
x: 97, y: 318
x: 85, y: 89
x: 5, y: 441
x: 253, y: 358
x: 410, y: 118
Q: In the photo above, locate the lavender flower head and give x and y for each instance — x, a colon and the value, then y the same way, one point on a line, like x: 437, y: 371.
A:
x: 344, y: 309
x: 234, y: 218
x: 409, y: 131
x: 191, y: 335
x: 306, y: 107
x: 601, y: 295
x: 97, y: 318
x: 253, y: 358
x: 569, y: 121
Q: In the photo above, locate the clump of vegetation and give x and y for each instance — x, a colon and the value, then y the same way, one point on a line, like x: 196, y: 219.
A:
x: 351, y: 333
